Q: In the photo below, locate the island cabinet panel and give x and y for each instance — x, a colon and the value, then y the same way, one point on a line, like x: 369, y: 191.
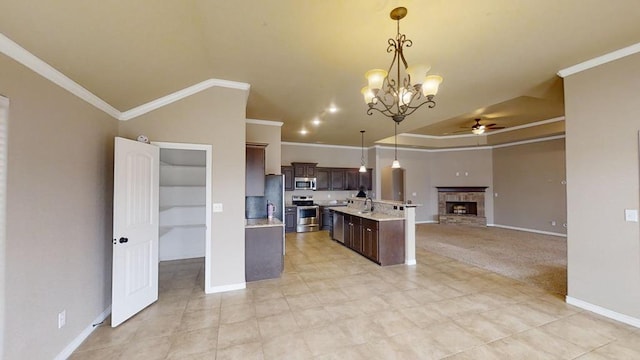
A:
x: 391, y: 242
x: 353, y: 234
x: 379, y: 241
x: 370, y: 239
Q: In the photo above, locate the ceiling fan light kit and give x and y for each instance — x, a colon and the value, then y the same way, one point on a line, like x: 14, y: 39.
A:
x: 407, y: 88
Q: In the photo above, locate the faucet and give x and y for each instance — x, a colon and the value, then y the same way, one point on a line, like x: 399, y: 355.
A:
x: 365, y: 204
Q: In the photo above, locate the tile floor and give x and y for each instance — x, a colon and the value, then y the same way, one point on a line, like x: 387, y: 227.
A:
x: 331, y: 303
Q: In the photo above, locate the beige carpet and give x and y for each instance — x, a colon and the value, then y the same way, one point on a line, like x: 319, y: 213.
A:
x: 536, y: 259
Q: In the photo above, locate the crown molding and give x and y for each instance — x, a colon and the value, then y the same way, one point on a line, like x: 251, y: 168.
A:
x: 524, y: 126
x: 324, y: 145
x: 264, y: 122
x: 24, y: 57
x: 181, y: 94
x: 606, y: 58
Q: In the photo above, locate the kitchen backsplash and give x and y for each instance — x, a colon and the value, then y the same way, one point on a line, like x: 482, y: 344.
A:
x: 324, y: 197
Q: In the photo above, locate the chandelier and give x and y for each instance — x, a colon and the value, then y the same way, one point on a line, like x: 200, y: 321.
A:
x: 399, y: 94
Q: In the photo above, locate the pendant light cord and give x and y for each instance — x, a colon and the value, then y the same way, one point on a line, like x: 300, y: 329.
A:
x: 396, y: 140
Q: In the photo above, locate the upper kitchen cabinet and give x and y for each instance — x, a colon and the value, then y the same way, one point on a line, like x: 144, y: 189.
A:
x: 354, y: 179
x: 254, y: 185
x: 287, y: 171
x: 305, y: 170
x: 330, y: 179
x: 366, y: 179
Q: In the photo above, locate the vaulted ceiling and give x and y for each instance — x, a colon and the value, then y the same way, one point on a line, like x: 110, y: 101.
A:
x: 499, y: 58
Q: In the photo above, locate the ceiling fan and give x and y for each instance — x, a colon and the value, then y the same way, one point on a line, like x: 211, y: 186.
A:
x: 479, y: 129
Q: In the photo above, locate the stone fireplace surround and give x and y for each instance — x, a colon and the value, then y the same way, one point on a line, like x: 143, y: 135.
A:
x: 461, y: 205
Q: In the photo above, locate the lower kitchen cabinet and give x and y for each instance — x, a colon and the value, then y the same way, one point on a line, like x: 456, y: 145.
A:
x: 379, y: 241
x: 264, y: 257
x: 290, y: 218
x: 370, y: 239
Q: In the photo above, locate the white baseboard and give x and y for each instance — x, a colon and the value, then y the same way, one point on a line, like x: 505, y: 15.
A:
x: 427, y: 222
x: 410, y: 262
x: 224, y: 288
x: 69, y: 349
x: 528, y: 230
x: 603, y: 311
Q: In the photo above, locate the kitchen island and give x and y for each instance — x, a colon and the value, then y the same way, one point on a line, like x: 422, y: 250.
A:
x: 264, y: 249
x: 378, y: 236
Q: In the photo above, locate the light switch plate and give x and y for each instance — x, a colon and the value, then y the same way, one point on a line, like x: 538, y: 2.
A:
x: 217, y: 207
x: 631, y: 215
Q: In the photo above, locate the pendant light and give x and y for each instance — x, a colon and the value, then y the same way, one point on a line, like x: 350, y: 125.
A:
x: 363, y: 168
x: 396, y: 163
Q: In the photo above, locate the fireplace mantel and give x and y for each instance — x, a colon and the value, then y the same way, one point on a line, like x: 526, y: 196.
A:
x: 461, y: 188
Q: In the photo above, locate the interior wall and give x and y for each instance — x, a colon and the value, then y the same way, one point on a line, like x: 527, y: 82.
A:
x: 215, y: 116
x: 528, y: 180
x: 267, y: 134
x: 324, y: 155
x: 59, y: 214
x: 602, y: 121
x: 468, y: 167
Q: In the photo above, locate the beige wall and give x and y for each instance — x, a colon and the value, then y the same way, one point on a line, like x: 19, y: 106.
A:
x: 267, y: 134
x: 325, y: 156
x: 58, y: 249
x: 215, y: 116
x: 528, y: 179
x: 602, y: 120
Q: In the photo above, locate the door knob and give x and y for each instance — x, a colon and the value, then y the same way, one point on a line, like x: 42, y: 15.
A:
x: 123, y: 240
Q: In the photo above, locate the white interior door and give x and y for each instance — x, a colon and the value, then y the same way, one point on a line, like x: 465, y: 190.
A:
x: 135, y: 228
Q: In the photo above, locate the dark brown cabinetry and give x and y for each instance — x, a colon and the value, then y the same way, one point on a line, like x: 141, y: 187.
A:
x: 305, y: 170
x: 353, y: 233
x: 354, y: 179
x: 290, y: 218
x: 255, y: 163
x: 330, y: 179
x: 325, y: 218
x: 366, y: 179
x: 370, y: 239
x: 287, y: 171
x: 379, y: 241
x: 263, y: 253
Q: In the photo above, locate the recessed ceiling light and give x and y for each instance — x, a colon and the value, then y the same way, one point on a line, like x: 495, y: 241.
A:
x: 303, y: 132
x: 316, y: 121
x: 333, y: 109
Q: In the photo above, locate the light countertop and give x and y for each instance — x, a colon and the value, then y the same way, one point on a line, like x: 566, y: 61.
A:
x: 264, y: 222
x: 377, y: 216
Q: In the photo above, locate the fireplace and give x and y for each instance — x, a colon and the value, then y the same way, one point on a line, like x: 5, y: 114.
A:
x: 461, y: 205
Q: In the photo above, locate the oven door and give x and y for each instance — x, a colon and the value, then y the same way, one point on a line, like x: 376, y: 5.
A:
x: 308, y: 218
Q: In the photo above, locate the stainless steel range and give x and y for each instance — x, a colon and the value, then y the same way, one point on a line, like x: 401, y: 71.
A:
x: 308, y: 213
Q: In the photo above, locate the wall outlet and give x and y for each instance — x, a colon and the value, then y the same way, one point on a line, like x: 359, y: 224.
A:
x: 553, y: 223
x: 217, y: 207
x: 62, y: 319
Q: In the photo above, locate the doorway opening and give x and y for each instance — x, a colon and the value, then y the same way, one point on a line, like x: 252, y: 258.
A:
x: 185, y: 206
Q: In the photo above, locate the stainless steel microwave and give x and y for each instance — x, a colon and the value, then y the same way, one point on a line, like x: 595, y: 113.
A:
x: 304, y: 183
